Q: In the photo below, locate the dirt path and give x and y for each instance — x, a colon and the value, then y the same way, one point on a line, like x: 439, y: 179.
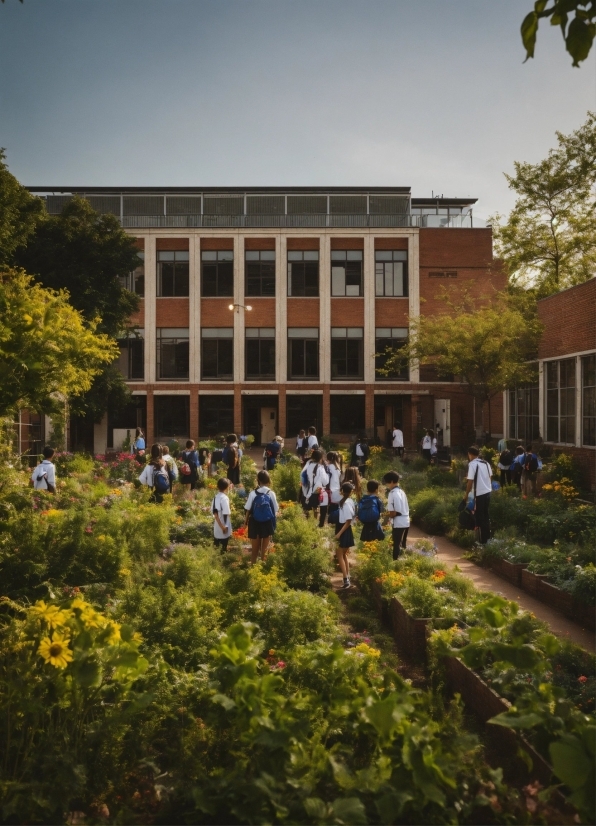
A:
x: 486, y: 580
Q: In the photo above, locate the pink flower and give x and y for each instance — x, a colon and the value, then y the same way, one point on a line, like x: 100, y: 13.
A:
x: 582, y: 679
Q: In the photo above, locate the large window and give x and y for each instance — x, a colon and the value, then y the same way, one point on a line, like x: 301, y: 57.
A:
x: 260, y: 272
x: 388, y: 339
x: 217, y: 353
x: 172, y: 353
x: 172, y: 273
x: 524, y: 420
x: 172, y: 417
x: 560, y: 401
x: 346, y: 272
x: 589, y: 400
x: 391, y: 273
x: 216, y: 415
x: 302, y: 411
x: 303, y: 353
x: 347, y: 353
x: 217, y: 273
x: 260, y: 352
x: 347, y: 414
x: 303, y: 273
x: 132, y: 356
x: 135, y: 280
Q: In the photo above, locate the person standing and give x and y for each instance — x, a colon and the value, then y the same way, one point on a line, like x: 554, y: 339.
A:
x: 517, y: 466
x: 397, y: 440
x: 504, y: 465
x: 344, y: 535
x: 334, y: 473
x: 434, y: 450
x: 360, y: 454
x: 273, y: 452
x: 189, y: 472
x: 369, y: 513
x: 312, y: 443
x: 222, y: 521
x: 171, y: 465
x: 138, y: 446
x: 231, y: 457
x: 301, y: 445
x: 529, y: 470
x: 261, y: 513
x: 352, y: 475
x: 427, y: 443
x: 155, y: 475
x: 44, y: 475
x: 398, y: 512
x: 479, y: 480
x: 314, y: 478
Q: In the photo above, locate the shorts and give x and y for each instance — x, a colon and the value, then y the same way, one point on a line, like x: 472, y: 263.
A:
x: 346, y: 540
x: 312, y: 503
x: 221, y: 543
x: 260, y: 530
x: 372, y: 531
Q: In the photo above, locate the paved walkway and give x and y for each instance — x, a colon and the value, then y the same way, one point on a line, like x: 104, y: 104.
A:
x: 486, y: 580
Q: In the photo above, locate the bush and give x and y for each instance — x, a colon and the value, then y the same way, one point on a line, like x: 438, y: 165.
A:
x: 285, y: 481
x: 299, y: 556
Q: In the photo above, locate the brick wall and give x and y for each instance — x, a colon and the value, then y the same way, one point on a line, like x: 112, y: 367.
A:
x: 569, y: 319
x: 172, y: 312
x: 391, y: 312
x: 262, y: 313
x: 303, y: 243
x: 171, y: 244
x: 347, y: 312
x: 215, y: 312
x: 303, y: 312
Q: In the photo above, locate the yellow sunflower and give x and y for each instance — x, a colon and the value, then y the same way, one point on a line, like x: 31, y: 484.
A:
x: 54, y: 616
x: 114, y: 633
x: 55, y: 650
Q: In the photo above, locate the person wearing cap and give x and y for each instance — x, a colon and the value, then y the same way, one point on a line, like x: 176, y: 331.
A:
x: 273, y: 452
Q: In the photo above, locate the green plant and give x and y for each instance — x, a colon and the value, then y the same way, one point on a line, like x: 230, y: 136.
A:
x: 285, y: 481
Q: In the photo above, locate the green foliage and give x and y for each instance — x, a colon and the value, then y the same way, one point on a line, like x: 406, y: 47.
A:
x: 285, y: 480
x: 20, y: 213
x: 299, y: 557
x: 578, y: 32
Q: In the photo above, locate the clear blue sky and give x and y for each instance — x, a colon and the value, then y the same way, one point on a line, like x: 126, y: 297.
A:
x: 426, y: 93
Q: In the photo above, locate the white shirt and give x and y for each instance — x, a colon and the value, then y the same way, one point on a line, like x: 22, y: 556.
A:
x: 398, y: 438
x: 312, y: 442
x: 264, y: 489
x: 426, y: 443
x: 299, y: 441
x: 169, y: 460
x: 146, y: 477
x: 433, y: 448
x: 221, y: 504
x: 347, y: 511
x: 47, y: 472
x: 334, y: 483
x: 359, y: 450
x: 317, y: 478
x: 483, y: 484
x: 397, y: 501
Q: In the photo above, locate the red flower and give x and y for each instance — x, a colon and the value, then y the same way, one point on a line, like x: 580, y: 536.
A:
x: 582, y: 679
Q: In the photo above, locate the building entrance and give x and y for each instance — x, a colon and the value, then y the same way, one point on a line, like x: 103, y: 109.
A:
x: 260, y: 418
x: 388, y: 411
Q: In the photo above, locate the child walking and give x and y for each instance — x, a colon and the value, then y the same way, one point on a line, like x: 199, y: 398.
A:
x: 44, y: 475
x: 398, y: 511
x: 261, y: 512
x: 343, y: 531
x: 222, y: 523
x: 369, y: 513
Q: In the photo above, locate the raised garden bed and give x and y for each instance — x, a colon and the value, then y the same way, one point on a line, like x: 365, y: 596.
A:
x: 410, y: 633
x: 381, y: 603
x: 559, y: 600
x: 511, y: 571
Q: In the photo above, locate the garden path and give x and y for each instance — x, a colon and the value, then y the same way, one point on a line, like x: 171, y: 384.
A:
x: 486, y: 580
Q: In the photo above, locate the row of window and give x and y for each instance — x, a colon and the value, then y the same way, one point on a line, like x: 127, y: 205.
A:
x: 217, y: 353
x: 562, y: 397
x: 217, y: 273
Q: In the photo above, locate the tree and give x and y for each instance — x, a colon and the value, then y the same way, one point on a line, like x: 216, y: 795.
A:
x: 20, y: 213
x: 548, y: 242
x: 48, y: 352
x: 578, y: 35
x: 489, y: 348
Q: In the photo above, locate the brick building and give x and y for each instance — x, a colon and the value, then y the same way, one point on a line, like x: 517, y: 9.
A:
x: 561, y: 407
x: 331, y: 276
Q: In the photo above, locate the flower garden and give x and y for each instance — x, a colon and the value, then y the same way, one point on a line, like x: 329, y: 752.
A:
x: 147, y: 678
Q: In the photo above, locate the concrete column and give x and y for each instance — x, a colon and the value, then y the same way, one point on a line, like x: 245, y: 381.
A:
x: 541, y: 400
x: 150, y: 434
x: 369, y: 310
x: 194, y: 311
x: 281, y: 315
x: 238, y: 314
x: 100, y: 436
x: 150, y: 309
x: 578, y: 401
x: 194, y: 414
x: 238, y: 424
x: 414, y: 289
x: 326, y: 411
x: 325, y: 312
x: 369, y: 410
x: 282, y: 428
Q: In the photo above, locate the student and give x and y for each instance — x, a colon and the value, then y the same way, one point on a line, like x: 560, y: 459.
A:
x: 352, y: 475
x: 334, y: 488
x: 189, y: 470
x: 311, y: 440
x: 369, y: 513
x: 155, y: 475
x: 273, y: 452
x: 360, y: 454
x: 137, y: 448
x: 204, y: 460
x: 479, y: 481
x: 222, y: 523
x: 261, y: 512
x: 530, y: 468
x: 427, y: 443
x: 314, y: 478
x: 301, y: 445
x: 171, y: 465
x: 44, y: 475
x: 504, y: 465
x: 397, y: 440
x: 398, y: 512
x: 232, y: 459
x: 517, y: 466
x: 343, y: 531
x: 433, y: 449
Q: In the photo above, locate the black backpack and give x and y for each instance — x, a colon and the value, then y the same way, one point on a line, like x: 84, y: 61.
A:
x: 530, y: 463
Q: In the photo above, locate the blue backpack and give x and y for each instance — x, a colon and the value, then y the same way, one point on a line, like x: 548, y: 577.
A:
x: 262, y: 508
x: 161, y: 480
x: 369, y: 509
x: 304, y: 480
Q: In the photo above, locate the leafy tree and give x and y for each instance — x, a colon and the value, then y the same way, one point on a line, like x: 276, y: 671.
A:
x: 48, y: 351
x: 548, y: 242
x: 489, y: 348
x: 578, y: 35
x: 20, y: 213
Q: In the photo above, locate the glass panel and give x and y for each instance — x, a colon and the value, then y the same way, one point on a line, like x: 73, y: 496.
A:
x: 217, y: 332
x: 182, y: 255
x: 552, y: 374
x: 399, y: 332
x: 172, y: 332
x: 338, y: 332
x: 354, y: 255
x: 398, y: 278
x: 225, y: 255
x: 267, y: 332
x: 297, y: 357
x: 355, y: 332
x: 388, y: 279
x: 268, y: 255
x: 379, y: 279
x: 311, y: 255
x: 303, y: 332
x: 311, y: 358
x: 400, y: 255
x: 338, y: 281
x: 181, y: 280
x: 338, y: 255
x: 552, y: 403
x: 252, y: 332
x: 353, y: 290
x: 383, y: 332
x: 166, y: 280
x: 163, y: 255
x: 251, y: 255
x: 294, y: 256
x: 383, y: 255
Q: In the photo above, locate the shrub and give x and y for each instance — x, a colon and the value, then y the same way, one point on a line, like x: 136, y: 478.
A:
x: 299, y: 556
x: 285, y: 481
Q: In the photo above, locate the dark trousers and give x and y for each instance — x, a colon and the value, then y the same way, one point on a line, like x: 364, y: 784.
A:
x: 482, y: 518
x: 398, y: 451
x: 505, y: 478
x: 222, y: 543
x: 426, y: 453
x: 322, y: 515
x: 399, y: 536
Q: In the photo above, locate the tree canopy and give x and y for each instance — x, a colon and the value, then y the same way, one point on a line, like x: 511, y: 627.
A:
x: 20, y: 213
x: 578, y: 31
x: 47, y: 349
x: 488, y: 348
x: 548, y: 242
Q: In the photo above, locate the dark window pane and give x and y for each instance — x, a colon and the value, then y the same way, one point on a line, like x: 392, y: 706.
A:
x: 296, y: 357
x: 252, y: 357
x: 182, y: 359
x: 216, y: 415
x: 347, y: 414
x: 225, y: 278
x: 226, y: 358
x: 172, y: 417
x: 209, y: 358
x: 181, y: 279
x: 137, y: 365
x: 311, y: 359
x: 209, y: 278
x: 167, y: 279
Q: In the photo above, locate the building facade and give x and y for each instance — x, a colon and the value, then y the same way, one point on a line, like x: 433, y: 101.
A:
x: 561, y: 407
x: 266, y: 311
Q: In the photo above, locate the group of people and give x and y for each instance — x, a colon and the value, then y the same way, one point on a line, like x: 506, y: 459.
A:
x: 519, y: 467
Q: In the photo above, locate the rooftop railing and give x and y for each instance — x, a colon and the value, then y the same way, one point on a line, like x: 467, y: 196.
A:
x: 297, y: 221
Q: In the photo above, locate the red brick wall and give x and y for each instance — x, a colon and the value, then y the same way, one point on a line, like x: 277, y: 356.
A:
x: 262, y: 313
x: 391, y: 312
x: 303, y: 243
x: 171, y: 312
x: 569, y: 320
x: 171, y: 243
x: 391, y: 243
x: 347, y: 243
x: 347, y: 312
x: 215, y: 312
x: 303, y: 312
x: 138, y: 318
x: 259, y: 243
x: 217, y: 243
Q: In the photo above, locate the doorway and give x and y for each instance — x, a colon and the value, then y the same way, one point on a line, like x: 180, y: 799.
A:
x: 388, y: 411
x: 443, y: 422
x: 260, y: 418
x: 268, y: 424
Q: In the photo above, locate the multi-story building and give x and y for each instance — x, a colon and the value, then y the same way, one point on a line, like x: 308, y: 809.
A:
x: 268, y: 310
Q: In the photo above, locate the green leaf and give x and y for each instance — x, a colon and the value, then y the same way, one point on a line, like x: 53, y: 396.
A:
x: 315, y: 808
x: 390, y: 805
x: 580, y: 37
x: 383, y: 717
x: 126, y: 632
x: 223, y: 700
x: 529, y: 28
x: 87, y: 673
x: 571, y: 763
x: 515, y: 721
x: 521, y: 656
x: 348, y: 810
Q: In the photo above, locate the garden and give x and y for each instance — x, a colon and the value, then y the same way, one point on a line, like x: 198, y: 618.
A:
x: 147, y: 678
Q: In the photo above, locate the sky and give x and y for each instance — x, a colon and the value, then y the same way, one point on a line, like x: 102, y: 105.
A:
x: 431, y: 94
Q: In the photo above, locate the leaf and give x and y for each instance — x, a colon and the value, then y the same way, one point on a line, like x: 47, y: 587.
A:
x: 571, y: 763
x: 529, y: 28
x: 511, y: 720
x: 580, y: 36
x: 382, y: 716
x: 126, y: 632
x: 348, y: 810
x: 87, y: 673
x: 521, y: 656
x: 390, y: 805
x: 223, y: 700
x: 315, y: 808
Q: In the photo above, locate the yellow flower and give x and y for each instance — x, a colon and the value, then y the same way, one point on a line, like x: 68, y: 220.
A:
x: 124, y: 572
x: 91, y: 618
x: 79, y: 603
x: 101, y: 537
x: 54, y: 616
x: 55, y: 650
x: 116, y: 491
x: 363, y: 648
x: 114, y: 636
